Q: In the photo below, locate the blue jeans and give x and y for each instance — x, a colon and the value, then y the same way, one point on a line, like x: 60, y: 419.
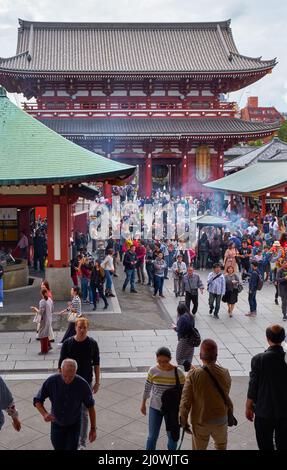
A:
x: 252, y: 301
x: 84, y: 287
x: 158, y: 284
x: 108, y: 279
x: 65, y: 437
x: 130, y: 277
x: 1, y: 290
x: 154, y: 424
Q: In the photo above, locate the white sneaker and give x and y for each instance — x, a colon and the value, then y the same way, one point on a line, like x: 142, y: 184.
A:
x: 82, y: 447
x: 1, y: 304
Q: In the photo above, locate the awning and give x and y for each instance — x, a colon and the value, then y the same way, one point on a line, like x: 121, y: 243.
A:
x: 257, y: 178
x: 212, y: 220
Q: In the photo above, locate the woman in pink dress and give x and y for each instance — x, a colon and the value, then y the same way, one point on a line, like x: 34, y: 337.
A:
x: 230, y: 257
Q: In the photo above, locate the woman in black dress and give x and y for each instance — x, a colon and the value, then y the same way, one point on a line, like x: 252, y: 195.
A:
x: 231, y: 293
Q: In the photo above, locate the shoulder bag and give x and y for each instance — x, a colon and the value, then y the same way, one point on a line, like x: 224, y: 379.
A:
x: 231, y: 420
x: 170, y: 400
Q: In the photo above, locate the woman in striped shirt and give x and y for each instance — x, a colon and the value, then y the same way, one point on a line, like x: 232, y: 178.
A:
x: 74, y: 311
x: 160, y: 378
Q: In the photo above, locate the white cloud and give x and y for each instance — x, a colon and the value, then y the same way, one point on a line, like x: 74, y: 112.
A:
x: 259, y: 27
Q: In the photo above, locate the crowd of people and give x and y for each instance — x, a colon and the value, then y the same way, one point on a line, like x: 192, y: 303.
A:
x: 193, y: 398
x: 198, y: 402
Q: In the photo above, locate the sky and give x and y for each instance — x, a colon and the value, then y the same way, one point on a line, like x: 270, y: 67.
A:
x: 259, y: 28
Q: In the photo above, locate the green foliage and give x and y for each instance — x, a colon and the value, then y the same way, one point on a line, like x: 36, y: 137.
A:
x: 282, y: 134
x: 256, y: 143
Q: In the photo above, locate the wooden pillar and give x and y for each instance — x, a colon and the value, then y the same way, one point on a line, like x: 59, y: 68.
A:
x: 220, y: 162
x: 148, y: 175
x: 50, y: 218
x: 246, y: 208
x: 65, y: 233
x: 107, y: 190
x: 58, y: 270
x: 141, y: 180
x: 263, y: 205
x: 184, y: 175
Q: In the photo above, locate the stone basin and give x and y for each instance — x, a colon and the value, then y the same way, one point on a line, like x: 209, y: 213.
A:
x: 16, y: 274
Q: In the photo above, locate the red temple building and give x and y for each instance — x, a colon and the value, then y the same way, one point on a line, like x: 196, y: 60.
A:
x: 144, y: 94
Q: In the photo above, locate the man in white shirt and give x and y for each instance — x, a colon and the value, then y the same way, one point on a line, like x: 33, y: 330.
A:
x: 252, y: 229
x: 23, y: 245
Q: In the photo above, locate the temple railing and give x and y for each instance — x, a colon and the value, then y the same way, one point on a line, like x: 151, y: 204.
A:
x: 64, y: 109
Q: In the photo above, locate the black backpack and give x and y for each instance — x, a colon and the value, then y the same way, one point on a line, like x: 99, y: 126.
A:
x: 170, y: 400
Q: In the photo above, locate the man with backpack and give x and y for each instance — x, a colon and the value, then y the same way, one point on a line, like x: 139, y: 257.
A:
x: 255, y: 284
x: 85, y: 351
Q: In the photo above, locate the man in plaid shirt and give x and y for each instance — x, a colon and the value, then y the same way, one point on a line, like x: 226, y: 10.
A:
x: 216, y: 287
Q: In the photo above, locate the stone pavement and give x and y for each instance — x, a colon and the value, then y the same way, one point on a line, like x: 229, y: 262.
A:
x: 120, y: 423
x: 126, y: 348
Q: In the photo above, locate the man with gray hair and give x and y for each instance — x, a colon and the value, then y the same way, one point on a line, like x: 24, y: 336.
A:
x: 67, y: 392
x: 201, y: 398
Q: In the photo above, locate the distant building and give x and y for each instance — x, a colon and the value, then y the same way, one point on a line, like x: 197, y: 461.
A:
x: 253, y: 112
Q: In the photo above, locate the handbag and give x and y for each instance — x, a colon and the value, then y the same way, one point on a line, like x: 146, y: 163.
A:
x: 240, y: 288
x: 37, y: 318
x: 72, y: 317
x: 194, y: 337
x: 231, y: 420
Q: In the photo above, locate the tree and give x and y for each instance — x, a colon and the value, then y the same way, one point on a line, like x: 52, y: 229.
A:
x: 282, y: 134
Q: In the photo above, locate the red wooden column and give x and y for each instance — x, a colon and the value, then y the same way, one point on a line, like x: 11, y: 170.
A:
x: 148, y: 175
x: 184, y: 174
x: 50, y: 218
x: 141, y: 180
x: 220, y: 162
x: 65, y: 231
x: 246, y: 208
x: 107, y: 190
x: 58, y: 271
x: 263, y: 205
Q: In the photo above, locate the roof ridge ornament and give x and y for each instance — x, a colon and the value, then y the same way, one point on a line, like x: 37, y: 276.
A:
x: 31, y: 43
x: 228, y: 52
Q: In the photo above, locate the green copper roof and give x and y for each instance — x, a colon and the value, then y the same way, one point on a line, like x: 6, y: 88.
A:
x: 32, y: 153
x: 254, y: 179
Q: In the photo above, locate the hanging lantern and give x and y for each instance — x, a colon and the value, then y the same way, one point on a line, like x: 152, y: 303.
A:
x: 202, y: 164
x: 160, y: 171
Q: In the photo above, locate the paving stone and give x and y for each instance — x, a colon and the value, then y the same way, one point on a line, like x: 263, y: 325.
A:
x: 7, y: 365
x: 139, y: 333
x: 108, y: 362
x: 138, y: 362
x: 33, y: 365
x: 13, y: 440
x: 42, y: 443
x: 112, y: 442
x: 230, y: 364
